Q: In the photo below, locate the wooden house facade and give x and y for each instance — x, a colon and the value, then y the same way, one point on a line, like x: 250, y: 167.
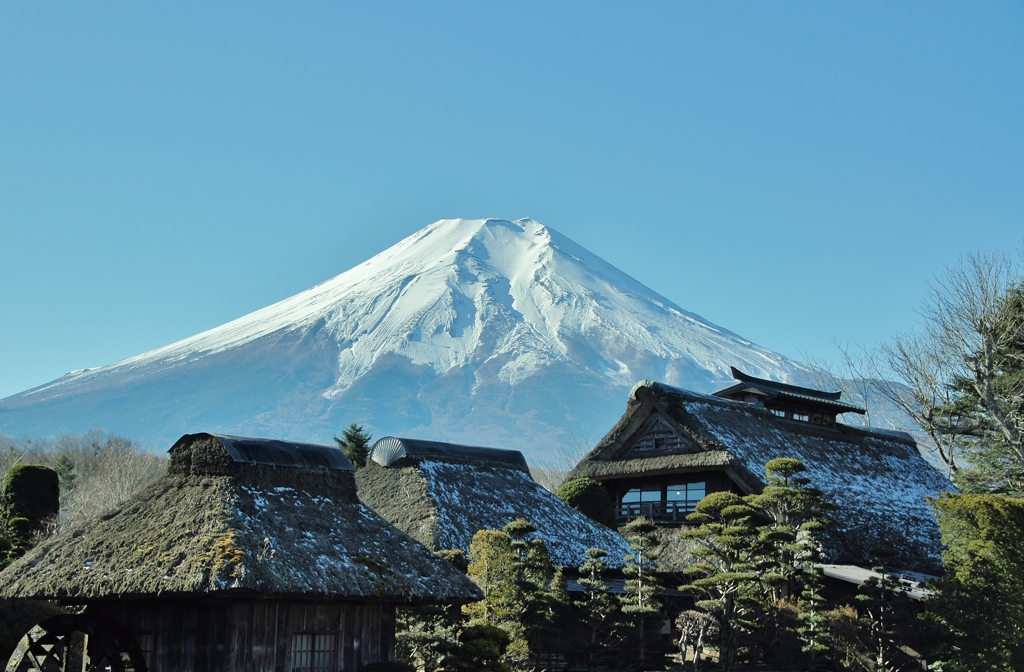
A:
x: 672, y: 447
x: 249, y: 554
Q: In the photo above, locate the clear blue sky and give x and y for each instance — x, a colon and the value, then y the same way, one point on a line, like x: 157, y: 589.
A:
x: 794, y: 172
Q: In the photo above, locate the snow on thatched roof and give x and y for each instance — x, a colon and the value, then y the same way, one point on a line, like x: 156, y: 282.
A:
x: 235, y: 515
x: 444, y: 495
x: 877, y: 478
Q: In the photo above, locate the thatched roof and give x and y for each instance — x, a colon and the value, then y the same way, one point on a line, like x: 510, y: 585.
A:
x: 877, y: 478
x: 444, y: 495
x: 235, y: 515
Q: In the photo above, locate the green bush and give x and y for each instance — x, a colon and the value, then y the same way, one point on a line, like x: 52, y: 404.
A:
x: 388, y: 666
x: 589, y: 498
x: 20, y: 530
x: 33, y: 492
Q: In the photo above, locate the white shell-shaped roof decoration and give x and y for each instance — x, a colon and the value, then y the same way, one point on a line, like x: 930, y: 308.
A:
x: 387, y: 451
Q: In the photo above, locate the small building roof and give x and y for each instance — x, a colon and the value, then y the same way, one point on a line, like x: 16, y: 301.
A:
x: 911, y: 582
x: 771, y: 389
x: 877, y: 478
x: 274, y: 452
x: 442, y: 494
x: 389, y: 449
x: 231, y: 517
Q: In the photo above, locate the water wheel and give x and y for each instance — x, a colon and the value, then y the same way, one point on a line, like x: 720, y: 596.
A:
x: 79, y: 643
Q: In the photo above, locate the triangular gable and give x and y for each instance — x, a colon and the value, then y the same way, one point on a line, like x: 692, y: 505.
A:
x: 660, y: 438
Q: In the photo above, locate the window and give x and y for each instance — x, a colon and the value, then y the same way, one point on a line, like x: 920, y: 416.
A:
x: 145, y: 642
x: 686, y: 495
x: 637, y: 495
x: 777, y: 412
x: 314, y: 652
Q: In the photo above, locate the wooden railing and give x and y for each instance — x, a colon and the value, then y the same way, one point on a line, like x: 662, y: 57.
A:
x: 659, y: 512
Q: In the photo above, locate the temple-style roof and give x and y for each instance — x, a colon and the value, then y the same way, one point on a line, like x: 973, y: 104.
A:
x: 783, y: 396
x: 442, y: 494
x: 237, y: 516
x: 877, y: 478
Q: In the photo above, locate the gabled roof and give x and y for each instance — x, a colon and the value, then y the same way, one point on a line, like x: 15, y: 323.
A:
x: 229, y: 518
x: 775, y: 390
x: 878, y: 479
x: 444, y: 495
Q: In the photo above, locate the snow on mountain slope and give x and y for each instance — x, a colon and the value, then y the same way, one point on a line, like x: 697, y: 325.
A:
x: 487, y: 331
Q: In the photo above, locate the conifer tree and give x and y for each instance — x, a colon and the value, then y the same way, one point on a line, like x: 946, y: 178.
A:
x: 724, y: 572
x: 975, y: 620
x: 642, y: 588
x: 789, y: 519
x: 883, y: 606
x: 599, y: 613
x: 813, y: 629
x: 523, y: 594
x: 427, y: 635
x: 355, y: 444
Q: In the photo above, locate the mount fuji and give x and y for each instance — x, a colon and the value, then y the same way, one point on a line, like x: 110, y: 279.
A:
x: 486, y: 332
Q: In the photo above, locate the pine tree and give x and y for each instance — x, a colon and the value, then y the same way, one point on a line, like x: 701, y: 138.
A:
x: 813, y: 629
x: 883, y: 606
x: 600, y: 614
x: 791, y: 516
x: 355, y: 444
x: 642, y: 588
x: 68, y: 473
x: 724, y: 573
x: 523, y: 594
x: 427, y: 635
x: 789, y: 520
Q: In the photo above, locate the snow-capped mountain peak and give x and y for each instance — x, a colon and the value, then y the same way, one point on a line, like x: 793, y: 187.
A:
x: 490, y: 328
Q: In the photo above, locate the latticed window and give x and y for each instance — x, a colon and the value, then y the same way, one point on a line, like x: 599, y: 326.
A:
x: 685, y: 496
x: 314, y: 652
x: 661, y: 438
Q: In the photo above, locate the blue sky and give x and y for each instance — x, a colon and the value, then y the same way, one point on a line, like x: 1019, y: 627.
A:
x: 794, y: 172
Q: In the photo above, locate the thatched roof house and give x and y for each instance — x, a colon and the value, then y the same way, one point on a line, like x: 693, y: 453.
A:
x: 266, y: 538
x: 673, y: 446
x: 442, y: 494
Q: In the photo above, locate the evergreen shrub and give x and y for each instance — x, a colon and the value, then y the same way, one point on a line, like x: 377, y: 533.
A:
x: 589, y: 498
x: 33, y: 492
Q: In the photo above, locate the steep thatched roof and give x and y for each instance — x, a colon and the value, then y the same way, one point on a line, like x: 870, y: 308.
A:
x: 444, y: 495
x: 877, y: 478
x: 240, y: 516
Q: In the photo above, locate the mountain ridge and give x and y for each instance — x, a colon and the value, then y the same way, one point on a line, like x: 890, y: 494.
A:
x: 462, y: 320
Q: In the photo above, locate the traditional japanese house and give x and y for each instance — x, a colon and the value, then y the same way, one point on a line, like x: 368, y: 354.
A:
x: 249, y: 554
x: 672, y: 447
x: 442, y: 494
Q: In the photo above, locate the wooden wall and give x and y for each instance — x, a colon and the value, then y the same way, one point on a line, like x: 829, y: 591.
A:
x: 252, y: 635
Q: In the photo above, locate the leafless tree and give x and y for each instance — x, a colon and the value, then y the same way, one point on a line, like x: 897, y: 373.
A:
x: 854, y: 373
x: 694, y: 628
x: 552, y: 470
x: 964, y: 334
x: 98, y: 470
